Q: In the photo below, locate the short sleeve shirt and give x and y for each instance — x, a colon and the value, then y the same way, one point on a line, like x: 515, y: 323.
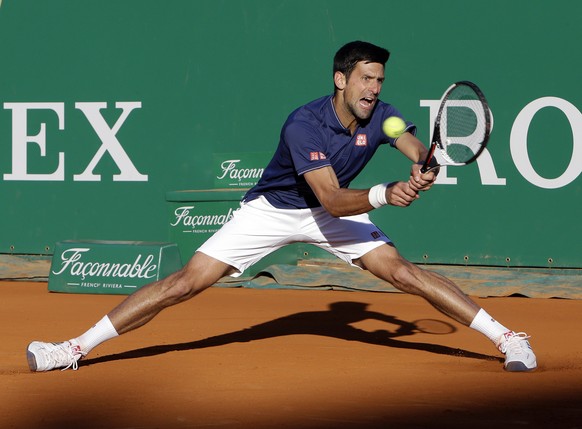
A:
x: 312, y: 138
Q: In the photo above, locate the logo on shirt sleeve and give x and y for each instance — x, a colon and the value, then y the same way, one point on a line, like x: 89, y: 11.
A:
x: 361, y: 140
x: 316, y: 156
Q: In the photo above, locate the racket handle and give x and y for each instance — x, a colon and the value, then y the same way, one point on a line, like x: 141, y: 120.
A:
x: 430, y: 163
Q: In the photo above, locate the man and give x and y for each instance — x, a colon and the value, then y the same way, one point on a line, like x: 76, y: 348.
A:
x: 303, y: 195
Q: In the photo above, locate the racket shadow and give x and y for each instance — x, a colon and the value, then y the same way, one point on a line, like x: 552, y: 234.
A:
x: 336, y: 322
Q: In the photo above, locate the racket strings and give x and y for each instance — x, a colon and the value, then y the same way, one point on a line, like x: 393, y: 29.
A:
x: 463, y: 126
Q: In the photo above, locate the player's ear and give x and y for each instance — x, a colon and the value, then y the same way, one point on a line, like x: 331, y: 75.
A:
x: 339, y: 80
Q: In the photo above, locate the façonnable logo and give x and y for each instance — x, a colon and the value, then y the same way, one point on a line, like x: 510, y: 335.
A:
x: 186, y: 216
x: 74, y: 262
x: 229, y: 168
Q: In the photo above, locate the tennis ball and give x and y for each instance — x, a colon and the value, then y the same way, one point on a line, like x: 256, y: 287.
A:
x: 393, y: 127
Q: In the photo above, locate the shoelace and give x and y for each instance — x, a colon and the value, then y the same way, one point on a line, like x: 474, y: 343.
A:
x: 513, y: 343
x: 62, y: 353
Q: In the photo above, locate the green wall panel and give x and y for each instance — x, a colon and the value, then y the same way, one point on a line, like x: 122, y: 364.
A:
x: 152, y: 91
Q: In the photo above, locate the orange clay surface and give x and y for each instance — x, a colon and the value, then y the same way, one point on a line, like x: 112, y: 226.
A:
x: 248, y: 358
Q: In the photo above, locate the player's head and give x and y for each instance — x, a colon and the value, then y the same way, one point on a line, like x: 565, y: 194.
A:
x: 358, y: 77
x: 352, y: 53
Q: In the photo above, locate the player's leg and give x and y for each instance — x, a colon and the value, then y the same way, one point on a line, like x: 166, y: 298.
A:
x: 254, y: 231
x: 198, y: 274
x: 386, y: 263
x: 358, y: 241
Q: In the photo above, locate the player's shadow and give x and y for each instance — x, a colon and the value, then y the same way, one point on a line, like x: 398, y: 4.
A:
x: 337, y: 322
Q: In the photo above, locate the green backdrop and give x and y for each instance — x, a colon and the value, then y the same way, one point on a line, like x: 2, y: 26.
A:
x: 106, y: 106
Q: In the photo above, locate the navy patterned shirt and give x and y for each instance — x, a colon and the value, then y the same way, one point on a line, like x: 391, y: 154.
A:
x: 313, y: 137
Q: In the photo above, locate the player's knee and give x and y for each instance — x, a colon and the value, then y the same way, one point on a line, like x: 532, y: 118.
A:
x: 197, y: 275
x: 404, y: 277
x: 179, y: 287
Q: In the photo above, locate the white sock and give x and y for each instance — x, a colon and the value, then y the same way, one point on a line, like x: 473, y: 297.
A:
x: 488, y: 326
x: 99, y: 333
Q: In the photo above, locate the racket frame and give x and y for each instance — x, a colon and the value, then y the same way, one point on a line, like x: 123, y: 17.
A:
x: 430, y: 162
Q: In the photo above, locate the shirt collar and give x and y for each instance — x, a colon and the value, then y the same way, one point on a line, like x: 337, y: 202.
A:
x: 335, y: 123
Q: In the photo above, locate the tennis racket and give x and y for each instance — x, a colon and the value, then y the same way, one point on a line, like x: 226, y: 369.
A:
x: 462, y: 127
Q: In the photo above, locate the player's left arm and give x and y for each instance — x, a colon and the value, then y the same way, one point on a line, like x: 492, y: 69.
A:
x: 416, y: 151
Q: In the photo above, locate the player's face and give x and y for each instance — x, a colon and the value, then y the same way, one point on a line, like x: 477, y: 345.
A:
x: 363, y: 88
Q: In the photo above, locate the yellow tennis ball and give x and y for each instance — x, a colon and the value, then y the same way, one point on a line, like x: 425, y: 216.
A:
x: 393, y: 127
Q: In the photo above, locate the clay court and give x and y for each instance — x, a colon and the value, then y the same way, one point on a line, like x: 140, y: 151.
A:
x: 132, y: 129
x: 249, y: 358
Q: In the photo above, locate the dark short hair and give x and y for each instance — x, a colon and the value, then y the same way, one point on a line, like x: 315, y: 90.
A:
x: 350, y: 54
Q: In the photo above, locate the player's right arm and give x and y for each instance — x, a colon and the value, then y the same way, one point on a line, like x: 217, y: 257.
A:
x: 347, y: 202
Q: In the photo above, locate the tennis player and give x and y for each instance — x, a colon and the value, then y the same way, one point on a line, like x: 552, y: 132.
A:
x: 304, y: 196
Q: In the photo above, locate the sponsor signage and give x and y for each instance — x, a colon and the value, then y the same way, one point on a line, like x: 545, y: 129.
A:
x: 110, y: 267
x: 23, y: 144
x: 200, y: 218
x: 239, y: 170
x: 195, y: 215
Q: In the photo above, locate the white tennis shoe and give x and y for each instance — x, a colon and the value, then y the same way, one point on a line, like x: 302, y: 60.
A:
x: 47, y: 356
x: 519, y: 355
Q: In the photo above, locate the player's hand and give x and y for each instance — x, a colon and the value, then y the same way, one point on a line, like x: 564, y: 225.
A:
x: 419, y: 181
x: 400, y: 194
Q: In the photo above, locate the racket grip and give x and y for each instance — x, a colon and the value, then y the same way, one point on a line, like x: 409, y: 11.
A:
x: 430, y: 163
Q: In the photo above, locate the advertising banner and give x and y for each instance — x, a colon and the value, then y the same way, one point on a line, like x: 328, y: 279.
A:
x: 239, y: 170
x: 109, y: 267
x: 99, y: 122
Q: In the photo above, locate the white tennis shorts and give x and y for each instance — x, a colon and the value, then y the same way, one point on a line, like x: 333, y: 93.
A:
x: 257, y: 229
